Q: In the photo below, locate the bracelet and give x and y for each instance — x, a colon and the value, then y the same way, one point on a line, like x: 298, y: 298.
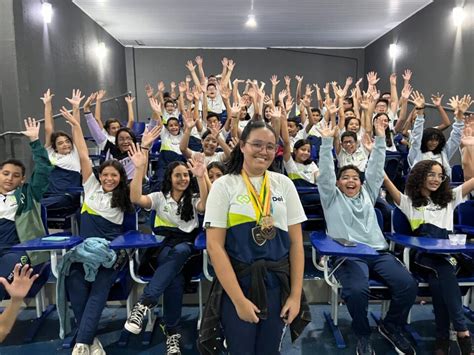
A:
x: 144, y: 147
x: 420, y: 108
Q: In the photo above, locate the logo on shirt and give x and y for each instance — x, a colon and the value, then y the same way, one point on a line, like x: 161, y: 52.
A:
x: 243, y: 199
x: 277, y: 199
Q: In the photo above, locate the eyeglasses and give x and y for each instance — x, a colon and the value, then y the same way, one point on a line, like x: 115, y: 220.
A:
x: 125, y: 139
x: 433, y: 176
x: 258, y: 146
x: 348, y: 142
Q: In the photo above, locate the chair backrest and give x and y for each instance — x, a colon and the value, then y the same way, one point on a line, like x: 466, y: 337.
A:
x: 379, y: 215
x: 156, y: 146
x: 130, y: 221
x: 400, y: 223
x: 44, y: 218
x: 466, y: 213
x: 457, y: 174
x: 138, y: 128
x: 392, y: 163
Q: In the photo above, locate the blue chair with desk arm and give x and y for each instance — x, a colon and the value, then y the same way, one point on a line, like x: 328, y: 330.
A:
x: 465, y: 213
x: 325, y: 247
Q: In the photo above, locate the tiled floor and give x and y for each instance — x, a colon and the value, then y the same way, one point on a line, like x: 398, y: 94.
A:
x: 317, y: 338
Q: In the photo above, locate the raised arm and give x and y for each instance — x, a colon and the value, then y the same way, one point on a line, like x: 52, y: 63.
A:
x: 374, y: 171
x: 48, y: 117
x: 327, y: 176
x: 393, y: 94
x: 80, y: 143
x: 417, y: 132
x: 96, y: 131
x: 460, y: 107
x: 98, y: 107
x: 197, y: 167
x: 140, y: 161
x: 188, y: 126
x: 402, y: 118
x: 131, y: 114
x: 299, y: 80
x: 285, y: 136
x: 392, y: 189
x: 192, y: 70
x: 274, y: 80
x: 226, y: 79
x: 445, y: 121
x: 199, y: 62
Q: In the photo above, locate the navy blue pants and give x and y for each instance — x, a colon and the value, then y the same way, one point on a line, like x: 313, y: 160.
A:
x: 445, y: 293
x: 247, y: 338
x: 88, y: 299
x: 168, y: 280
x: 8, y: 260
x: 354, y: 275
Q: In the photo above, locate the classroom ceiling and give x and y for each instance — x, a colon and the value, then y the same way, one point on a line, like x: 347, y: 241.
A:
x: 221, y: 24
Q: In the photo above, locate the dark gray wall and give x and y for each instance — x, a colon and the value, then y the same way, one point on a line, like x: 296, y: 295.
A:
x: 439, y: 54
x: 61, y: 56
x: 147, y: 65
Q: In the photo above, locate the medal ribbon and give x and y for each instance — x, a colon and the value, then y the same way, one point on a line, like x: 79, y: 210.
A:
x: 260, y: 202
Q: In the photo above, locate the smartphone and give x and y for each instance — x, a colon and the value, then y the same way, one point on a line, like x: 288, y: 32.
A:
x: 345, y: 242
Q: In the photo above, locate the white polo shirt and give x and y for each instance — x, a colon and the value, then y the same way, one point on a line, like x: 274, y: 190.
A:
x: 8, y: 206
x: 68, y: 161
x: 359, y: 158
x: 307, y: 172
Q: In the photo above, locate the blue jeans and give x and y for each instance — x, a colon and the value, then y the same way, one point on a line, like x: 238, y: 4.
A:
x: 168, y: 281
x: 353, y: 275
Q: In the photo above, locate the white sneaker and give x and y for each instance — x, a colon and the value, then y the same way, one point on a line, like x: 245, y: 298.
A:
x: 81, y: 349
x: 134, y: 323
x: 96, y: 348
x: 173, y: 344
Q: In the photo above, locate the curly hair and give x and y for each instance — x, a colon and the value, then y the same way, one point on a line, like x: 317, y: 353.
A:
x: 432, y: 133
x: 121, y: 194
x: 416, y: 180
x: 185, y: 205
x: 56, y: 135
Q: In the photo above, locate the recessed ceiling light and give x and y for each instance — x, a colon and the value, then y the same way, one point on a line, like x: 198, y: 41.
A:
x: 458, y: 16
x: 47, y: 10
x: 251, y: 22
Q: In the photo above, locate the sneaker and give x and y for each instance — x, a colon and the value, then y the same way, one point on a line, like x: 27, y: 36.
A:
x: 81, y: 349
x: 364, y: 346
x: 465, y: 345
x: 172, y: 344
x: 134, y: 323
x: 441, y: 346
x: 401, y: 344
x: 96, y: 348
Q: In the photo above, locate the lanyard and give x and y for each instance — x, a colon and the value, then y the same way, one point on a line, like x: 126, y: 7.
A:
x: 260, y: 202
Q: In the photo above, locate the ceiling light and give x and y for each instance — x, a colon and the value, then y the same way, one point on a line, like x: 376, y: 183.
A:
x: 101, y: 50
x: 458, y: 16
x: 394, y: 50
x: 47, y: 10
x: 251, y: 22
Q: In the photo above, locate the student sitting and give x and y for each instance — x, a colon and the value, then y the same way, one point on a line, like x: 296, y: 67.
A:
x: 20, y: 209
x: 350, y: 152
x: 349, y: 210
x: 177, y: 207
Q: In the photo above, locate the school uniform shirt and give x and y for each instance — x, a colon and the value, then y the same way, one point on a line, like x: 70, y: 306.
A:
x: 360, y: 134
x: 243, y: 124
x: 431, y: 213
x: 67, y: 171
x: 295, y: 171
x: 359, y: 158
x: 167, y: 212
x: 8, y: 209
x: 314, y: 130
x: 98, y: 217
x: 215, y: 105
x: 169, y: 142
x: 229, y: 206
x: 208, y: 159
x: 301, y: 134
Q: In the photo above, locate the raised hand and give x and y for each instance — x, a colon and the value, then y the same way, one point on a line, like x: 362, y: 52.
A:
x: 155, y: 106
x: 308, y: 91
x: 340, y: 92
x: 407, y: 90
x: 418, y: 99
x: 372, y: 78
x: 407, y: 75
x: 149, y: 91
x: 267, y: 100
x: 149, y: 136
x: 224, y: 62
x: 173, y: 86
x: 191, y: 67
x: 436, y: 99
x: 136, y: 155
x: 379, y: 128
x: 368, y: 142
x: 129, y: 99
x: 349, y: 81
x: 287, y: 80
x: 275, y: 112
x: 235, y: 109
x: 22, y: 281
x: 161, y: 86
x: 225, y: 92
x: 282, y: 95
x: 326, y: 89
x: 188, y: 79
x: 198, y: 60
x: 467, y: 137
x: 196, y: 165
x: 190, y: 96
x: 238, y: 81
x: 464, y: 103
x: 69, y: 117
x: 89, y: 101
x: 47, y: 97
x: 101, y: 94
x: 289, y: 104
x: 233, y: 142
x: 274, y: 80
x: 359, y: 82
x: 324, y: 130
x: 231, y: 65
x: 76, y: 98
x: 182, y: 87
x: 299, y: 78
x: 196, y: 93
x: 332, y: 108
x: 393, y: 79
x: 188, y: 120
x: 32, y: 129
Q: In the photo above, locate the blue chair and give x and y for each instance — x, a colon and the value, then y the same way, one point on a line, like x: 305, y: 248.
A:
x: 392, y: 165
x: 138, y: 128
x: 465, y: 217
x: 457, y: 174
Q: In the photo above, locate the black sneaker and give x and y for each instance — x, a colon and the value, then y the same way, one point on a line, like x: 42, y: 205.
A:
x: 134, y: 323
x: 441, y: 346
x: 465, y: 345
x: 401, y: 344
x: 172, y: 344
x: 364, y: 346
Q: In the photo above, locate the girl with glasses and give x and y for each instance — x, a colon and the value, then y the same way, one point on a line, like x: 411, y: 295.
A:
x: 428, y: 204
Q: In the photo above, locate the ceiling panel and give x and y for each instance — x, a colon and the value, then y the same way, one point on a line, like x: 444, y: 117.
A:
x: 220, y: 24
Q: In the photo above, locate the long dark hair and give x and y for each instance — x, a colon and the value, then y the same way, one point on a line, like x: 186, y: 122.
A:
x: 56, y: 135
x: 185, y: 209
x: 299, y: 143
x: 121, y: 194
x: 416, y: 180
x: 388, y: 133
x: 432, y: 133
x: 236, y: 161
x: 129, y: 131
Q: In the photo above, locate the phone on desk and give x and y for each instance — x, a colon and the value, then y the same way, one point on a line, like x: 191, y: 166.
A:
x: 345, y: 242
